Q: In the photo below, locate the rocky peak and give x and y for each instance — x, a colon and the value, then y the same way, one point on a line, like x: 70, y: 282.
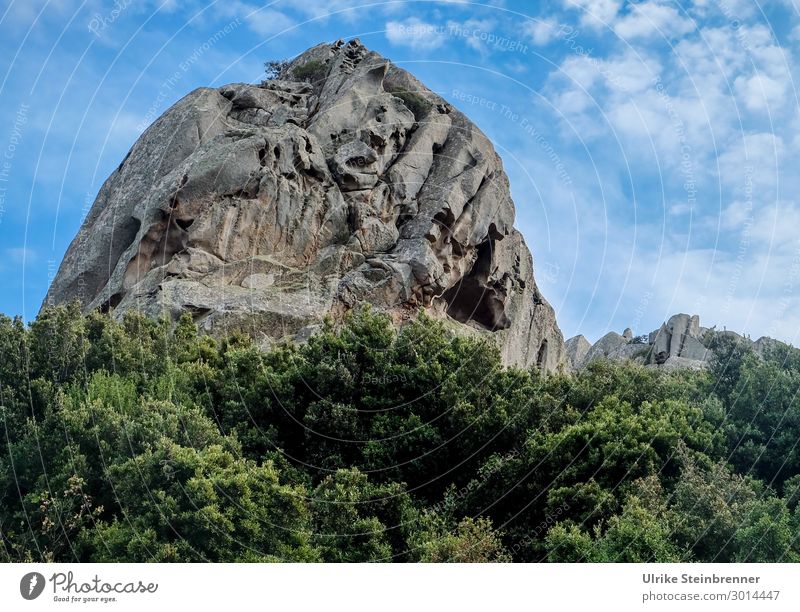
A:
x: 680, y: 342
x: 344, y: 181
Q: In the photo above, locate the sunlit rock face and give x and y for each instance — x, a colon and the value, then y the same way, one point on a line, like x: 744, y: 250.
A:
x: 344, y: 181
x: 680, y: 343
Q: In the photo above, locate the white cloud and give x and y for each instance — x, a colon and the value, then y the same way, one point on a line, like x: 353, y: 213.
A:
x: 652, y: 18
x: 261, y: 20
x: 540, y: 31
x: 267, y: 22
x: 704, y: 137
x: 756, y: 158
x: 733, y: 10
x: 476, y: 33
x: 344, y: 9
x: 595, y: 13
x: 21, y: 255
x: 759, y: 92
x: 415, y: 33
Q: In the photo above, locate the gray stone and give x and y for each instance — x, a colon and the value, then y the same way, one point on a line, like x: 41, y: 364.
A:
x: 765, y: 345
x: 681, y: 327
x: 267, y: 208
x: 661, y: 340
x: 693, y: 349
x: 576, y: 349
x: 606, y: 346
x: 623, y: 352
x: 680, y: 343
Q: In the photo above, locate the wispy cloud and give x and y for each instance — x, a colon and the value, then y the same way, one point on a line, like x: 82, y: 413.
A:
x: 415, y: 34
x: 21, y: 255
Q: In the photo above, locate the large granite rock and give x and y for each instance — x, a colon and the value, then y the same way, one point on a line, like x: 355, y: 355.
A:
x: 680, y: 343
x: 678, y: 337
x: 576, y: 349
x: 266, y: 208
x: 608, y: 346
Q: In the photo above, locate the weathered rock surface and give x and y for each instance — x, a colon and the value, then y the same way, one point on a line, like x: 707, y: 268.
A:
x: 575, y: 350
x: 679, y: 343
x: 608, y: 345
x: 266, y: 208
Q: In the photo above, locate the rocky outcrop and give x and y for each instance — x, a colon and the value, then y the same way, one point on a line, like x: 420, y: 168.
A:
x: 575, y: 350
x: 678, y: 337
x: 680, y: 342
x: 345, y: 181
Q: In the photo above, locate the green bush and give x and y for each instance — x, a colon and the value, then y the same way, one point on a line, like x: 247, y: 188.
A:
x: 142, y: 440
x: 310, y: 71
x: 414, y: 102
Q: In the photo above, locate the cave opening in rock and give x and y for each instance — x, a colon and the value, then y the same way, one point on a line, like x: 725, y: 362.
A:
x: 111, y: 302
x: 474, y: 299
x: 541, y: 356
x: 122, y: 236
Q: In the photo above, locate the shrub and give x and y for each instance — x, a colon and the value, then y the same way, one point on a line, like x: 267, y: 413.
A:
x: 310, y: 71
x: 273, y: 69
x: 414, y: 102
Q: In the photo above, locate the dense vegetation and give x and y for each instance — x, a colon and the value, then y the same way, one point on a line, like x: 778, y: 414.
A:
x: 141, y: 441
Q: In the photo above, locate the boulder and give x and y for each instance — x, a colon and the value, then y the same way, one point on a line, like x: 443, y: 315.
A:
x: 576, y: 349
x: 606, y: 346
x: 266, y: 208
x: 680, y: 343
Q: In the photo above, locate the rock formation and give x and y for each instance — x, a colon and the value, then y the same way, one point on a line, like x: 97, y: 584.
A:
x: 576, y: 349
x: 344, y: 181
x: 680, y: 342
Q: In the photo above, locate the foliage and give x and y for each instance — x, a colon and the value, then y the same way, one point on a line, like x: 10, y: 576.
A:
x: 310, y: 71
x: 131, y: 439
x: 274, y: 69
x: 414, y: 102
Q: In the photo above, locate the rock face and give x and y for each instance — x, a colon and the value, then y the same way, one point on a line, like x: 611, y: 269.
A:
x: 678, y: 343
x: 345, y: 181
x: 576, y: 349
x: 678, y: 337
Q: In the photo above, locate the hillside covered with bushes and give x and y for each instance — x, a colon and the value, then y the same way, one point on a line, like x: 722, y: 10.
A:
x: 142, y: 441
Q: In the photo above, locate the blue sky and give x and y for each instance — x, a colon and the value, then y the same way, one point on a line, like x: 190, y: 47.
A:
x: 651, y: 145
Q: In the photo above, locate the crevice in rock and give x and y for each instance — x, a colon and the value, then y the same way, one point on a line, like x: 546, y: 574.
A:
x: 197, y: 312
x: 111, y: 302
x: 122, y: 238
x: 541, y: 356
x: 473, y: 299
x: 164, y: 238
